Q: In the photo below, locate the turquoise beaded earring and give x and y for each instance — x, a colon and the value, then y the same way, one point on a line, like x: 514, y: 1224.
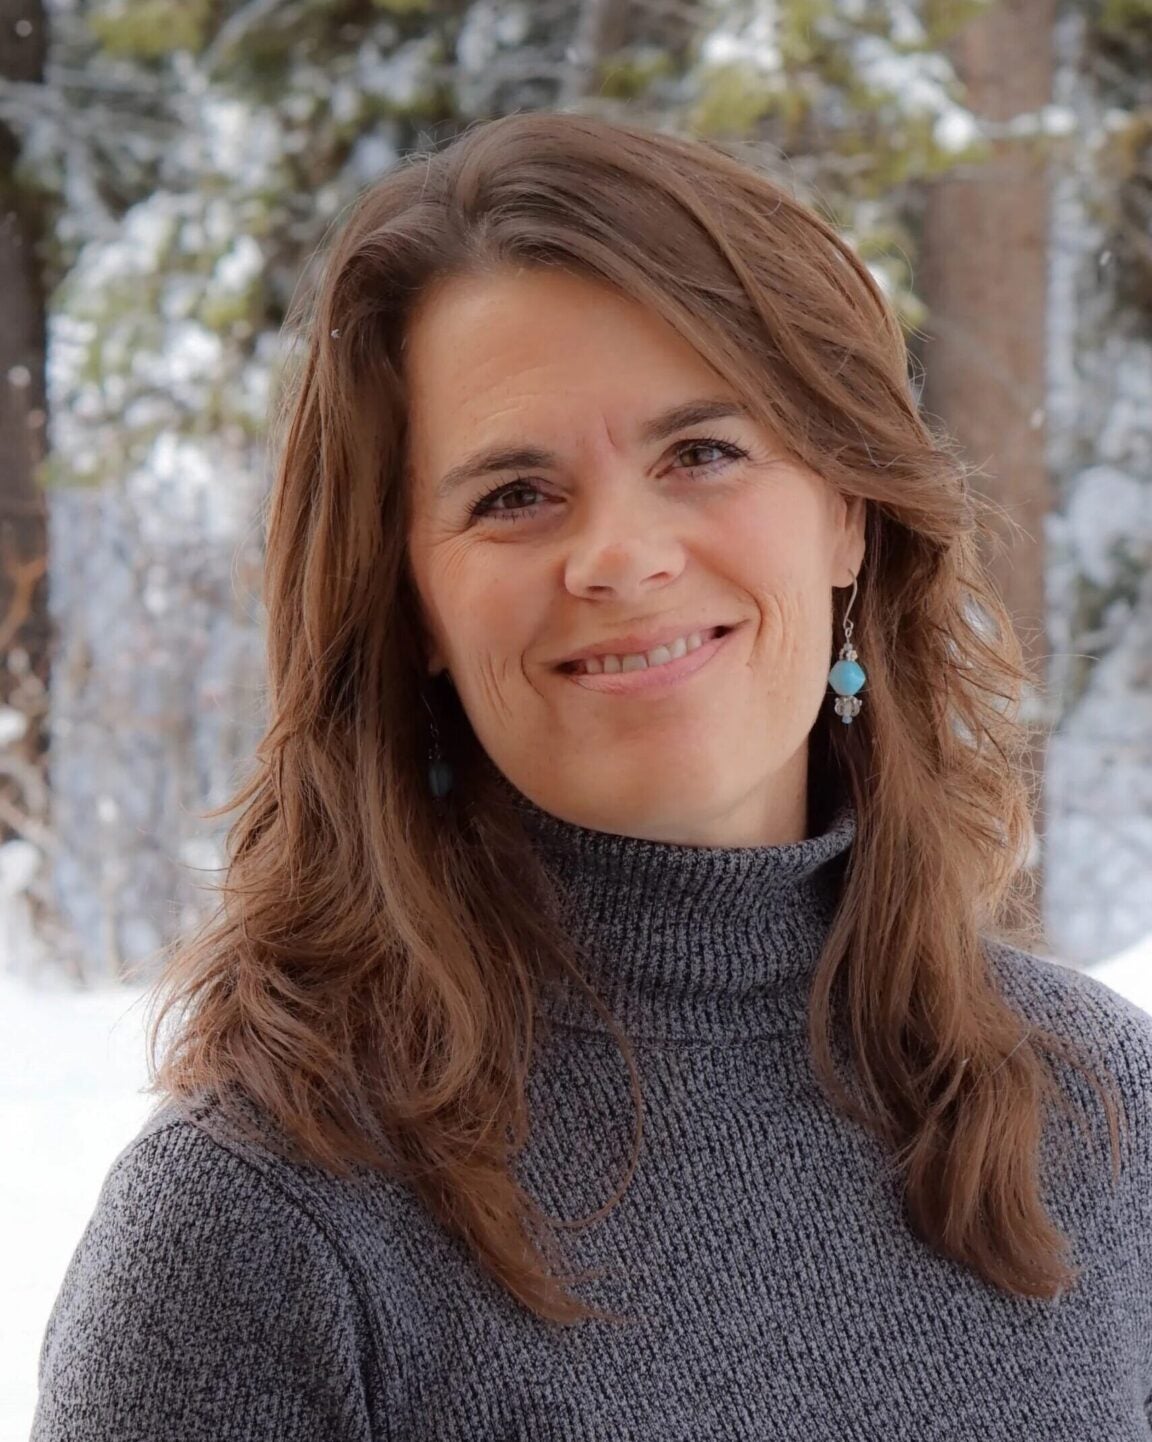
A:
x: 847, y: 676
x: 440, y: 774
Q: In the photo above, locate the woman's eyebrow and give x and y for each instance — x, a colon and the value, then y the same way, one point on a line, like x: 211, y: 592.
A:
x: 512, y: 457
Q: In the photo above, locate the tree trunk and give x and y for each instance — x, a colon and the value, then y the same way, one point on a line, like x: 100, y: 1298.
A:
x: 24, y: 620
x: 983, y: 276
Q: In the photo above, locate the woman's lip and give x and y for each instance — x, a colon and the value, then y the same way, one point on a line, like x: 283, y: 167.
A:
x: 651, y: 678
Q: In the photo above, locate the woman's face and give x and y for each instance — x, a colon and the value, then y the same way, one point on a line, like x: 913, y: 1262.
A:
x: 621, y: 527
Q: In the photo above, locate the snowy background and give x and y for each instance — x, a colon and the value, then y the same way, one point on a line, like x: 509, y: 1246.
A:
x: 71, y: 1072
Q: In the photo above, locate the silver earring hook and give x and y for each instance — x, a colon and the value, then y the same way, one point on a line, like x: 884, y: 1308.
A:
x: 848, y: 611
x: 431, y: 713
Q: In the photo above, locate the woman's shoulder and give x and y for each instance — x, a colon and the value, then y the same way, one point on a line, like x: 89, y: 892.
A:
x: 1111, y: 1031
x: 192, y: 1192
x: 201, y: 1284
x: 235, y: 1155
x: 192, y: 1151
x: 1076, y: 1004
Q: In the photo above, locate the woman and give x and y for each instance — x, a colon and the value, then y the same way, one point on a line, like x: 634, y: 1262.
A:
x: 610, y: 1029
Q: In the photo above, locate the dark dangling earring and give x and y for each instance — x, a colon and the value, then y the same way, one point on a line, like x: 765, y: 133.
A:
x: 440, y: 774
x: 847, y: 676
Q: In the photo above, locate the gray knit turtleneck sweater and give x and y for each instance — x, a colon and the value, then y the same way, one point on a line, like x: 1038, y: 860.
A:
x: 221, y: 1295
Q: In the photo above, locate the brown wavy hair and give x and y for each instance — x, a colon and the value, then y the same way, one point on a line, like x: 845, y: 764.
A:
x: 369, y: 977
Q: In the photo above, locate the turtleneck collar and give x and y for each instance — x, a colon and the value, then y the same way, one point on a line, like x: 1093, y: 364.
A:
x: 691, y: 942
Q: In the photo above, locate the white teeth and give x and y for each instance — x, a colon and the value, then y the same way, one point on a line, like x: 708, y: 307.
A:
x: 641, y: 661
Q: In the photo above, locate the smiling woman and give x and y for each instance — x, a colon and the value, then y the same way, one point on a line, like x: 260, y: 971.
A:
x: 575, y: 391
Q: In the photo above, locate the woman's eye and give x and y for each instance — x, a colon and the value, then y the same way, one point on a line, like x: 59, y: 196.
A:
x: 702, y: 446
x: 488, y: 504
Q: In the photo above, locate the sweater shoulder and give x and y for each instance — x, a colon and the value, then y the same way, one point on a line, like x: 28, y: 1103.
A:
x: 1111, y: 1032
x: 201, y: 1287
x: 1077, y: 1005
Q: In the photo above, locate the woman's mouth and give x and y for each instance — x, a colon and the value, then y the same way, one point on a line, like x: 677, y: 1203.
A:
x: 635, y: 674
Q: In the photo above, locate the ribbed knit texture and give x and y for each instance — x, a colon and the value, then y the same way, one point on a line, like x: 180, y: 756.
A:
x: 219, y: 1294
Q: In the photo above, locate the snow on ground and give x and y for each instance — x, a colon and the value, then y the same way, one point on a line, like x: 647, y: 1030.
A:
x: 72, y: 1074
x: 71, y: 1070
x: 1130, y: 973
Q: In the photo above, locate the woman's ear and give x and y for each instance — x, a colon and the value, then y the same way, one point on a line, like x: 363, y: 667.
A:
x: 853, y: 534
